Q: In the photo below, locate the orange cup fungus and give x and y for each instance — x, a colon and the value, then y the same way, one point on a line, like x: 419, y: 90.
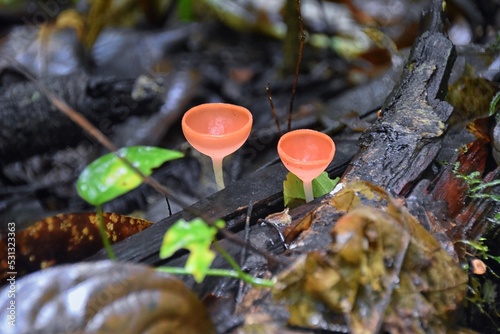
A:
x: 217, y: 130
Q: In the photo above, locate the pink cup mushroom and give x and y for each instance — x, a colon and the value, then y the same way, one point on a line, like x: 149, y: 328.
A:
x: 217, y: 130
x: 306, y: 153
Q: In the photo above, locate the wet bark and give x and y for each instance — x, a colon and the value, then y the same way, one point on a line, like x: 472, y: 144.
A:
x: 398, y: 148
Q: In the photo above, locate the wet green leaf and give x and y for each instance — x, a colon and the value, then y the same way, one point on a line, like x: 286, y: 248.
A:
x: 185, y: 10
x: 109, y: 177
x: 195, y: 236
x: 493, y: 103
x: 293, y: 188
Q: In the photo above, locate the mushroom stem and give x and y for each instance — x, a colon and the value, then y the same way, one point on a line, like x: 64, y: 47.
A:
x: 308, y: 191
x: 219, y: 176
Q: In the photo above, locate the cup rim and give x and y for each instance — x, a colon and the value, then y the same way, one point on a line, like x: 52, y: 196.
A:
x: 225, y: 106
x: 331, y: 155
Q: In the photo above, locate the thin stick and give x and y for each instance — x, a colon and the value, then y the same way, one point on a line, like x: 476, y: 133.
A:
x: 168, y: 206
x: 247, y: 231
x: 273, y: 110
x: 243, y: 254
x: 297, y: 68
x: 241, y: 274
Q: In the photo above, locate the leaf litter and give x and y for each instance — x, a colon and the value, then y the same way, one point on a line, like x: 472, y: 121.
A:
x: 382, y: 270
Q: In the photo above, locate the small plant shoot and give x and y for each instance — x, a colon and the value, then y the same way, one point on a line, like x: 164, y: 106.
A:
x: 293, y: 188
x: 195, y: 236
x: 493, y: 104
x: 108, y: 177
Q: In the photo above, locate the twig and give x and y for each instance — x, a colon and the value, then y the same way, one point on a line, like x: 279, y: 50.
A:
x: 243, y: 254
x: 247, y: 230
x: 297, y: 68
x: 273, y: 110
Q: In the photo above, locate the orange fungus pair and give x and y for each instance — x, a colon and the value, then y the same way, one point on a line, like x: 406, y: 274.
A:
x: 219, y: 129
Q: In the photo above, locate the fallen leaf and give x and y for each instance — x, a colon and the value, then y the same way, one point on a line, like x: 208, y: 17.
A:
x: 103, y: 297
x: 64, y: 238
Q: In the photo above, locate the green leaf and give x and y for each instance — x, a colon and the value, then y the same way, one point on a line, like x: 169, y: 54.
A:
x: 322, y: 185
x: 493, y: 103
x: 195, y: 236
x: 185, y: 10
x: 109, y: 177
x: 293, y: 188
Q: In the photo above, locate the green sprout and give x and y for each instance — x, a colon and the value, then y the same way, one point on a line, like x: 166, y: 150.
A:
x: 476, y: 184
x: 293, y: 189
x: 108, y: 177
x: 493, y: 104
x: 482, y: 295
x: 197, y: 236
x: 481, y: 250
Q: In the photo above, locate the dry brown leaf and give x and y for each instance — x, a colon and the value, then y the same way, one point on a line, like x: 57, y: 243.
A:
x: 65, y: 238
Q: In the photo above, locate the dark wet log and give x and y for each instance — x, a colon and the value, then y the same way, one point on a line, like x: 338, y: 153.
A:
x: 30, y: 124
x: 453, y: 190
x: 405, y: 140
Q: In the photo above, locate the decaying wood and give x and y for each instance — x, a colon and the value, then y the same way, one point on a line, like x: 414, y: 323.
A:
x: 405, y: 140
x: 399, y: 146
